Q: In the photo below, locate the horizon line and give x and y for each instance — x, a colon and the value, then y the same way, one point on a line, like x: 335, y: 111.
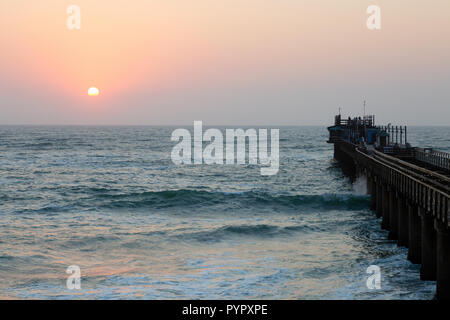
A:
x: 190, y: 124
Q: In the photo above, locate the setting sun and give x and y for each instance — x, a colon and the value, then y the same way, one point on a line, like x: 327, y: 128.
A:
x: 93, y: 91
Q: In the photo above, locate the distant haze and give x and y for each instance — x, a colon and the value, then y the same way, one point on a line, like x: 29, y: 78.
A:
x: 233, y: 62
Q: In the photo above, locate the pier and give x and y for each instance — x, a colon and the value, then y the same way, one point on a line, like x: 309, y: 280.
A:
x: 409, y: 189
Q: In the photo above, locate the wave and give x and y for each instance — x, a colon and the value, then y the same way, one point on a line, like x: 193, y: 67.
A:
x: 252, y: 231
x: 249, y: 199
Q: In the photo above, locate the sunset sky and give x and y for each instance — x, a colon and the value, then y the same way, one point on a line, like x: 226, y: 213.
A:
x: 235, y: 62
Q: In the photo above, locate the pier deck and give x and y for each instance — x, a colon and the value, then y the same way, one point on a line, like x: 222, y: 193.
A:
x: 409, y: 188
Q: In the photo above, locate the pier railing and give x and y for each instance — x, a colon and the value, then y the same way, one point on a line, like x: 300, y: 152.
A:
x: 412, y: 187
x: 436, y: 158
x: 397, y: 134
x: 368, y: 120
x: 432, y: 178
x: 410, y: 191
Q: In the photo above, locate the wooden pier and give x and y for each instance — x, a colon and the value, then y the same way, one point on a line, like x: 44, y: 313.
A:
x: 409, y: 188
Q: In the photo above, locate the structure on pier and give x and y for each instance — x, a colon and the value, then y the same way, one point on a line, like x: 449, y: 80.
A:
x: 409, y: 188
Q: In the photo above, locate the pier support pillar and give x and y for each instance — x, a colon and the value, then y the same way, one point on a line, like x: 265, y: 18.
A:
x: 428, y: 268
x: 336, y: 152
x: 403, y: 223
x: 393, y: 215
x: 379, y: 200
x: 443, y: 261
x: 373, y: 194
x: 415, y: 235
x: 385, y: 205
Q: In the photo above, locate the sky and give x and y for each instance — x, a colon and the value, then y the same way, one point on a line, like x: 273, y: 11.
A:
x: 233, y: 62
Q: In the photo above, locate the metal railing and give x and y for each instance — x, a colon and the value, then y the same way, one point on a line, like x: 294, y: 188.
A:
x: 368, y: 120
x: 431, y: 178
x: 412, y: 187
x: 438, y: 159
x: 397, y: 134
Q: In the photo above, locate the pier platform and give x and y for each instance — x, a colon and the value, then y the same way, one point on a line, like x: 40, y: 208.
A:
x: 409, y: 188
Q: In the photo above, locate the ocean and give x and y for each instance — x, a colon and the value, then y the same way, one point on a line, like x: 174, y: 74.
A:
x: 110, y: 201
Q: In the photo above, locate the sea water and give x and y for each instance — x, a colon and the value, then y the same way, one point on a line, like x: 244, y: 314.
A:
x: 110, y: 201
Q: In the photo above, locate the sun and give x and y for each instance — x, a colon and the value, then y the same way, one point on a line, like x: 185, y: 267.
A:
x: 93, y: 91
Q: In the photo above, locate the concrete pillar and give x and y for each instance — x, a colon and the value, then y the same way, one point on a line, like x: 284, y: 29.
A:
x: 443, y: 261
x: 415, y: 235
x: 336, y: 152
x: 428, y: 269
x: 403, y: 222
x: 385, y: 205
x: 368, y: 183
x: 393, y: 215
x: 379, y: 200
x: 373, y: 194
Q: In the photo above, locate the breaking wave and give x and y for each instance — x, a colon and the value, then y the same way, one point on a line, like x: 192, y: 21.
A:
x: 185, y: 197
